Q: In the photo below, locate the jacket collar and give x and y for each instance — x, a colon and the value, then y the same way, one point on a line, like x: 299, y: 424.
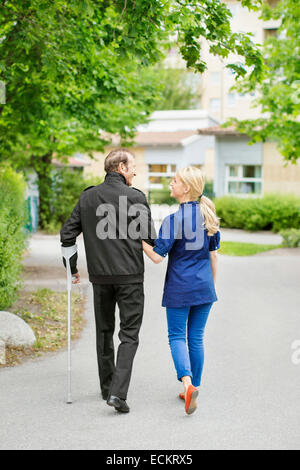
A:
x: 114, y: 176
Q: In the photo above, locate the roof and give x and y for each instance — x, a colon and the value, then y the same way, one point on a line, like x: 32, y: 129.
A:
x: 179, y: 114
x: 218, y: 130
x: 164, y: 138
x: 152, y: 139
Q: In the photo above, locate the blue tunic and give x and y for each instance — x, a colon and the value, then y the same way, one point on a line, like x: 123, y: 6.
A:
x: 189, y: 280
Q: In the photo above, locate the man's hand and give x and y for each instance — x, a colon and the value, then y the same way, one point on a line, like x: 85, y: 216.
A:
x: 77, y: 278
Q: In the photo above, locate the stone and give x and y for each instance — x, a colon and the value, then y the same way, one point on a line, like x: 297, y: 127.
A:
x: 14, y: 332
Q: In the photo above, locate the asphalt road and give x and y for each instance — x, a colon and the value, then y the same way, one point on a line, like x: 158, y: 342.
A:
x: 250, y: 393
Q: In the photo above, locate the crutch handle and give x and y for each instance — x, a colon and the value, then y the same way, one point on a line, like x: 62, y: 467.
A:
x: 67, y: 252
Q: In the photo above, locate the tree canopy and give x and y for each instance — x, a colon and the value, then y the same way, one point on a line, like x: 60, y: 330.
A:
x: 74, y: 67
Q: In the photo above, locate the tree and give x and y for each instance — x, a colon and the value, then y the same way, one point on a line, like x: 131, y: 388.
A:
x: 279, y: 91
x: 74, y: 67
x: 179, y: 89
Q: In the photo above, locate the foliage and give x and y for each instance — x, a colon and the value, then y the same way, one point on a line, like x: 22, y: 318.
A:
x: 291, y: 237
x: 179, y: 89
x: 209, y: 189
x: 272, y: 212
x: 12, y: 233
x: 162, y: 196
x: 279, y: 92
x: 75, y: 67
x: 67, y: 187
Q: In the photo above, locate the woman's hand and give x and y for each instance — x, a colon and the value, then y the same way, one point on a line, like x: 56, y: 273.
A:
x: 148, y: 249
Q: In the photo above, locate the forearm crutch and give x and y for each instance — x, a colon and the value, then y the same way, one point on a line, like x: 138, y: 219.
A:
x: 67, y: 253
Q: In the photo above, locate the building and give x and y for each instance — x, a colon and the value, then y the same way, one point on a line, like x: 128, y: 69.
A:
x: 217, y: 98
x: 170, y: 141
x: 249, y: 170
x: 174, y: 139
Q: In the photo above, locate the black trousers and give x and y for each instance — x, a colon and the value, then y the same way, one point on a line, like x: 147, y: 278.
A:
x: 115, y: 377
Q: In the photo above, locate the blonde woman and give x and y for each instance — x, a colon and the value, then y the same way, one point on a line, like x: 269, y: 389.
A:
x: 191, y: 238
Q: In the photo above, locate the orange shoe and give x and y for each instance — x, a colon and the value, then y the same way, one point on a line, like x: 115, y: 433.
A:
x: 191, y: 400
x: 181, y: 395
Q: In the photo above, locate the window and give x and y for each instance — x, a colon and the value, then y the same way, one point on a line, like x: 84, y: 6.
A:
x: 243, y: 179
x: 233, y: 7
x: 215, y: 78
x: 214, y: 104
x: 270, y: 32
x: 197, y: 165
x: 231, y: 98
x: 157, y: 173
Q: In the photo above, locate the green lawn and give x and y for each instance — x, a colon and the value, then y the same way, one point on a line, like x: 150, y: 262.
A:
x: 244, y: 249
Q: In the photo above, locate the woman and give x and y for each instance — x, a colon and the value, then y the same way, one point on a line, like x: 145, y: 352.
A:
x: 191, y: 238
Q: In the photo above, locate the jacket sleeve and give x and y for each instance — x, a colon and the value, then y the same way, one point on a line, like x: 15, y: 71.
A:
x: 69, y: 233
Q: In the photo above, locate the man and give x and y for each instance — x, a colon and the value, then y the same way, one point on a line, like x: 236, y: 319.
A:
x: 107, y: 215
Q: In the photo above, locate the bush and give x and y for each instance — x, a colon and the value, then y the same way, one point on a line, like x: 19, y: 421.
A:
x: 12, y: 234
x: 291, y: 238
x: 162, y: 196
x: 271, y: 212
x: 67, y: 187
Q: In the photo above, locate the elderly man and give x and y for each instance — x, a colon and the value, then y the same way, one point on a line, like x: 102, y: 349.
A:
x: 114, y: 218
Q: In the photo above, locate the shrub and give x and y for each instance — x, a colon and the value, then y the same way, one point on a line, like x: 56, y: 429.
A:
x: 67, y: 187
x: 271, y: 212
x: 162, y: 196
x: 291, y: 237
x: 12, y: 234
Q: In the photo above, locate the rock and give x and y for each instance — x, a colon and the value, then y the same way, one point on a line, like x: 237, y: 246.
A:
x: 14, y: 331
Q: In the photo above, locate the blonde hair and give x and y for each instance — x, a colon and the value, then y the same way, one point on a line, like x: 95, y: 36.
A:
x: 194, y: 179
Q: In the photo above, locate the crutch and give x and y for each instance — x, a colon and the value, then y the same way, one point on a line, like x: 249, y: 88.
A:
x: 67, y: 253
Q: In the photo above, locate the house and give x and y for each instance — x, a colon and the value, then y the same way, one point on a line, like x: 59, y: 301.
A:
x: 249, y: 170
x: 169, y: 141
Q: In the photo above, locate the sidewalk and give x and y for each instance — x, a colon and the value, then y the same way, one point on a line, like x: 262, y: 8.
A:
x: 249, y: 398
x: 263, y: 237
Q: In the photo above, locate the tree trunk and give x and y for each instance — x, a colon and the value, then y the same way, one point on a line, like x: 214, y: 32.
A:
x: 43, y: 166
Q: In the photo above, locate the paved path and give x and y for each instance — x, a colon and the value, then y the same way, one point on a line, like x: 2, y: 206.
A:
x: 250, y: 393
x: 263, y: 237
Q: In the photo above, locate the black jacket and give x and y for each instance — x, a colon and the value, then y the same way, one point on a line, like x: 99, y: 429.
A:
x: 116, y: 260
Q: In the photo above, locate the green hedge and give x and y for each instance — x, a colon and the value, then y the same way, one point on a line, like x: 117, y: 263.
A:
x: 67, y: 186
x: 271, y: 212
x: 12, y: 234
x: 162, y: 196
x: 291, y: 237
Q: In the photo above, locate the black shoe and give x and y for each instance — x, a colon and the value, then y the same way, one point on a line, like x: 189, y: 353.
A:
x: 118, y: 403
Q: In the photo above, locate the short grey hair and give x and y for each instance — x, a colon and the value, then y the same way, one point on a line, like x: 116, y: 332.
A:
x: 115, y: 157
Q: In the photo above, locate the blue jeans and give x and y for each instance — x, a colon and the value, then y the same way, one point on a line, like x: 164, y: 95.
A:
x: 182, y: 321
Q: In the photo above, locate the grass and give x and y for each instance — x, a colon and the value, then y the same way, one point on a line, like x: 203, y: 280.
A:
x: 244, y: 249
x: 45, y: 311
